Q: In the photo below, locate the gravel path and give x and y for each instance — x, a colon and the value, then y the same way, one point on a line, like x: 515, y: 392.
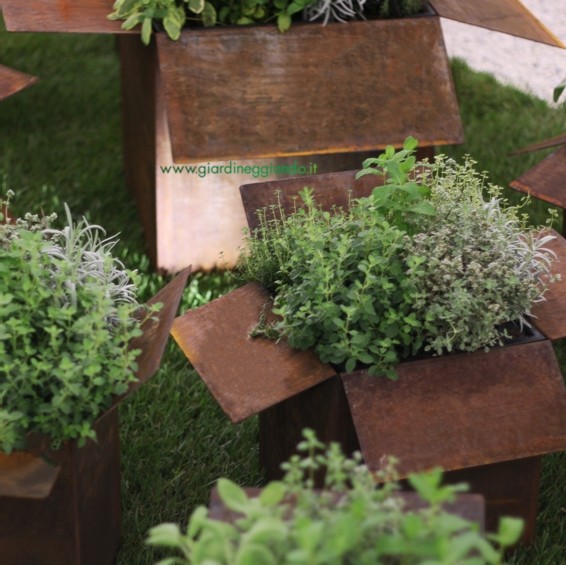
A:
x: 528, y: 65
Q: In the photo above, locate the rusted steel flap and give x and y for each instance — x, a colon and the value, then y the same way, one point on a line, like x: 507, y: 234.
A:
x: 23, y: 475
x: 241, y: 92
x: 546, y: 144
x: 546, y: 180
x: 550, y: 315
x: 12, y: 81
x: 462, y: 411
x: 156, y: 329
x: 507, y: 16
x: 83, y: 16
x: 330, y: 190
x: 246, y: 375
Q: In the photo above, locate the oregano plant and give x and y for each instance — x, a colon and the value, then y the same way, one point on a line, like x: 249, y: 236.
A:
x: 68, y: 313
x: 351, y: 521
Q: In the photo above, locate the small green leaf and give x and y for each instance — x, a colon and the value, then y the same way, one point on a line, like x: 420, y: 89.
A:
x: 283, y: 22
x: 196, y: 6
x: 167, y: 534
x: 509, y: 531
x: 146, y: 31
x: 232, y: 495
x: 272, y: 494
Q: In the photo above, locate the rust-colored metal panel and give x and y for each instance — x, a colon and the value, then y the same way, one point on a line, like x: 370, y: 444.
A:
x: 331, y: 190
x: 322, y: 408
x: 78, y: 523
x: 546, y: 180
x: 461, y: 411
x: 24, y: 475
x: 12, y: 81
x: 81, y: 16
x: 254, y: 92
x: 509, y: 488
x: 156, y: 329
x: 507, y: 16
x: 246, y: 375
x: 546, y: 144
x: 550, y: 314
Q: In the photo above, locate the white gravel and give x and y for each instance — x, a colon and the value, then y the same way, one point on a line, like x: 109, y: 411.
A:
x: 530, y: 66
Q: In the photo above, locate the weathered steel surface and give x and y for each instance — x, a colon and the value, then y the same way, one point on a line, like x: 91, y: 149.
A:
x: 507, y: 16
x: 509, y: 488
x: 84, y: 16
x: 246, y: 375
x: 138, y: 72
x: 315, y: 89
x: 322, y: 408
x: 550, y: 315
x: 331, y: 190
x: 546, y: 144
x: 156, y: 329
x: 461, y: 411
x: 78, y: 523
x: 25, y: 475
x: 468, y: 506
x: 202, y: 211
x: 12, y: 81
x: 546, y: 180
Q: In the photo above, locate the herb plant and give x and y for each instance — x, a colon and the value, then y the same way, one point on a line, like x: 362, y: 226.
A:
x: 67, y: 316
x: 423, y: 264
x: 173, y: 15
x: 350, y: 522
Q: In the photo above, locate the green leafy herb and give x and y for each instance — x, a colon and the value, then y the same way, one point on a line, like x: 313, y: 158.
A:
x: 66, y: 321
x: 351, y: 521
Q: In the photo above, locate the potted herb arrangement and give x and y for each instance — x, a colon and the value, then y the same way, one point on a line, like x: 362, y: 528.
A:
x: 350, y: 521
x: 376, y: 81
x: 74, y: 341
x: 419, y: 278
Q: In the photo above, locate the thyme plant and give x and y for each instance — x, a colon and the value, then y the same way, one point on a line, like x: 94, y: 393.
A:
x: 67, y: 316
x: 352, y: 521
x: 423, y: 264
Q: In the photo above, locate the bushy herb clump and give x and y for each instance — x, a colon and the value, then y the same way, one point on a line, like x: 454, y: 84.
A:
x: 351, y: 522
x: 66, y: 320
x: 173, y: 15
x: 424, y: 263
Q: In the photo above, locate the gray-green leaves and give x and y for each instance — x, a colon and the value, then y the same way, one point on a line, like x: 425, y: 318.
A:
x: 66, y: 320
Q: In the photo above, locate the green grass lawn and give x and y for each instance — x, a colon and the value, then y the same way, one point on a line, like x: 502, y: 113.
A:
x: 60, y: 142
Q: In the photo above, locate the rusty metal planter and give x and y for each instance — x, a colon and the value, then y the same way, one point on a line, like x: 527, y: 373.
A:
x: 63, y: 506
x: 484, y: 417
x: 315, y: 95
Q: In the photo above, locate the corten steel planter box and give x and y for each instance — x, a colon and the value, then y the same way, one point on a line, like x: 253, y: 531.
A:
x: 64, y: 506
x: 485, y: 418
x: 313, y: 96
